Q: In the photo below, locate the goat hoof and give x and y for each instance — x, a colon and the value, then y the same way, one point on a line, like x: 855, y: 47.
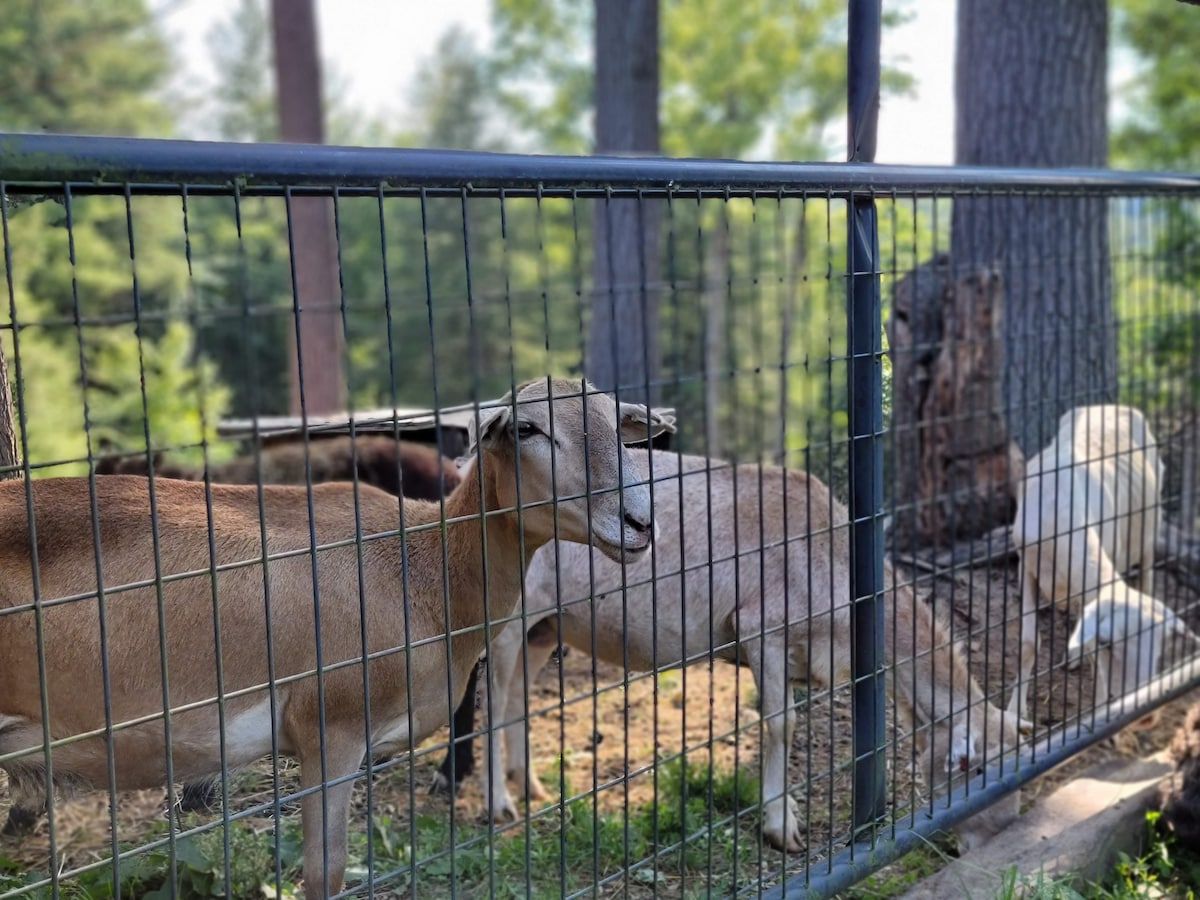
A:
x: 533, y: 787
x: 785, y: 837
x: 784, y: 833
x: 528, y: 783
x: 504, y: 813
x: 439, y: 785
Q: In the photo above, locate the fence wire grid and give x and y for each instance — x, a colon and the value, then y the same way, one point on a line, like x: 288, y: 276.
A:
x: 248, y: 641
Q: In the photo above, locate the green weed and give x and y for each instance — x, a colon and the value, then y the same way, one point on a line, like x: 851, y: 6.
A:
x: 200, y: 869
x: 1163, y: 870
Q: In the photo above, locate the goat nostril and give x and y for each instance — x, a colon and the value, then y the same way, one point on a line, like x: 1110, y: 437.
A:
x: 639, y: 527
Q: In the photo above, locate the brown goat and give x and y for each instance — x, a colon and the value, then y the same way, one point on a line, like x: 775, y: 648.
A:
x: 373, y: 459
x: 320, y: 610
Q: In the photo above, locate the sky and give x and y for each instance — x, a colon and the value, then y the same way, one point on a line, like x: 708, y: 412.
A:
x: 376, y: 46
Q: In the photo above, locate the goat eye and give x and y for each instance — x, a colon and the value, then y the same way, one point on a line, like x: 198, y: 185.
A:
x: 526, y: 430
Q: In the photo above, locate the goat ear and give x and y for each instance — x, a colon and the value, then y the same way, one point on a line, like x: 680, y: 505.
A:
x: 638, y: 423
x: 492, y: 420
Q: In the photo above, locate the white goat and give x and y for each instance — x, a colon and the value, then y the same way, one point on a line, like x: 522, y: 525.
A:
x: 1127, y: 630
x: 1088, y: 510
x: 309, y: 612
x: 770, y: 590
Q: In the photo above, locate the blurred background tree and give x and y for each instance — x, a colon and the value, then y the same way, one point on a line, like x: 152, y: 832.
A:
x: 95, y: 280
x: 476, y: 292
x: 1160, y: 353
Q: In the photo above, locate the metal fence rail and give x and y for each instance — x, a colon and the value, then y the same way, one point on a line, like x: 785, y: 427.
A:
x: 163, y: 269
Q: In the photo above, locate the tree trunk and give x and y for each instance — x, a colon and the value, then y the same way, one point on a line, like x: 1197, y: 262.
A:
x: 623, y: 331
x: 1189, y: 471
x: 951, y: 443
x: 1030, y: 91
x: 316, y: 362
x: 787, y: 322
x: 10, y: 456
x: 716, y: 288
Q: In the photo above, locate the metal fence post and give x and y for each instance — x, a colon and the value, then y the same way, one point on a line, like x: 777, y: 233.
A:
x: 866, y: 420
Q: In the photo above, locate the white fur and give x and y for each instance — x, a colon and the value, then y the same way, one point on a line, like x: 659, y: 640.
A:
x: 1127, y: 631
x: 1088, y: 509
x: 752, y: 565
x: 248, y: 734
x: 391, y: 737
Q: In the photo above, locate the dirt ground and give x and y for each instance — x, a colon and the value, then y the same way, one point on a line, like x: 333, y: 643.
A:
x: 609, y: 732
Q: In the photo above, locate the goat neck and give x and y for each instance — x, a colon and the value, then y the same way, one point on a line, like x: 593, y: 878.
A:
x: 472, y: 567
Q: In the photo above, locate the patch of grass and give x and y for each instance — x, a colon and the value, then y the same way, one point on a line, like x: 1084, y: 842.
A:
x: 700, y: 837
x: 576, y: 846
x: 200, y: 869
x: 894, y: 879
x: 705, y: 821
x: 1038, y: 887
x: 1162, y: 871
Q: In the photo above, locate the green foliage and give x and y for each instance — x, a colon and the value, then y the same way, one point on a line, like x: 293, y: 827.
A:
x: 162, y: 400
x: 202, y: 868
x: 476, y: 291
x: 85, y: 66
x: 542, y: 65
x: 584, y: 844
x: 766, y: 81
x: 1039, y: 887
x: 1163, y: 870
x: 241, y: 49
x: 182, y: 401
x: 96, y: 280
x: 241, y: 297
x: 96, y: 330
x: 693, y: 801
x: 453, y: 99
x: 1159, y: 304
x: 769, y: 80
x: 1163, y: 124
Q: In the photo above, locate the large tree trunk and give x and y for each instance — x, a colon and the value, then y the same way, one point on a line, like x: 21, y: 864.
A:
x: 623, y: 332
x: 955, y: 480
x: 1030, y: 91
x: 316, y: 362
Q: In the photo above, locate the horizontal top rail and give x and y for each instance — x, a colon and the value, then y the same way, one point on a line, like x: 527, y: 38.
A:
x: 33, y: 162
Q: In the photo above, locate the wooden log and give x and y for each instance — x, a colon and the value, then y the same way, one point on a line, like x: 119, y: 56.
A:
x: 956, y: 469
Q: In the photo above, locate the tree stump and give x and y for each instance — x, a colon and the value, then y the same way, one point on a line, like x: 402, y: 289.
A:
x: 956, y: 469
x: 10, y: 457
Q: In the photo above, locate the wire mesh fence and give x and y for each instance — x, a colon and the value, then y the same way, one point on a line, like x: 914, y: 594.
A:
x: 221, y: 665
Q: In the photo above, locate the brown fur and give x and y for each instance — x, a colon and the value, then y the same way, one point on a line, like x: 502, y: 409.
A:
x: 409, y: 587
x: 377, y: 460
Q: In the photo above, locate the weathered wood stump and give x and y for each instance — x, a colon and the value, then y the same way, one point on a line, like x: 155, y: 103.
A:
x: 10, y: 457
x: 956, y: 469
